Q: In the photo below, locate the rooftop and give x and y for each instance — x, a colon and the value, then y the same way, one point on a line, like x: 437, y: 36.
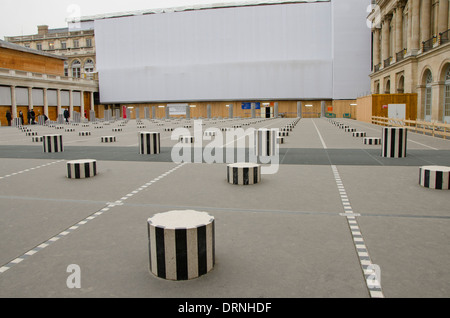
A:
x: 12, y: 46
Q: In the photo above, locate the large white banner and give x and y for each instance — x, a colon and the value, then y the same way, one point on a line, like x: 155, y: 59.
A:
x: 309, y: 50
x: 241, y: 53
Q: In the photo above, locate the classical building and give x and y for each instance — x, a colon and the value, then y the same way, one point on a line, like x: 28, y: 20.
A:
x: 77, y: 45
x: 34, y: 79
x: 411, y: 53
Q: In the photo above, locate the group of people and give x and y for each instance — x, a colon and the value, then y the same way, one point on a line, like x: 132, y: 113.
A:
x: 31, y: 116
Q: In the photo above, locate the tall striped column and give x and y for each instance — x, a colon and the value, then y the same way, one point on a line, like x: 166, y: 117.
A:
x: 393, y: 142
x: 149, y: 143
x: 181, y: 244
x: 435, y: 177
x: 53, y: 143
x: 266, y: 142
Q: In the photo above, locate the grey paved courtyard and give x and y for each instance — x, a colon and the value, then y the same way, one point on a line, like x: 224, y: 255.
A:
x: 286, y: 237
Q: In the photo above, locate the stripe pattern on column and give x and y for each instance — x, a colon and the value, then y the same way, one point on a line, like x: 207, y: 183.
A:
x: 243, y: 173
x: 53, y: 143
x: 266, y: 142
x: 149, y: 143
x: 434, y: 177
x: 372, y: 140
x: 181, y: 244
x: 393, y: 142
x: 81, y: 169
x: 108, y: 139
x: 186, y: 139
x: 84, y: 133
x: 359, y: 134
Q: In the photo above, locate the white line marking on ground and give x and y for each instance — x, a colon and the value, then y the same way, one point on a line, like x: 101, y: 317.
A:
x: 320, y: 136
x: 372, y: 281
x: 72, y: 228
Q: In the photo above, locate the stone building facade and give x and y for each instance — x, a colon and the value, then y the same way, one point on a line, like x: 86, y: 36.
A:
x: 411, y: 53
x: 77, y: 45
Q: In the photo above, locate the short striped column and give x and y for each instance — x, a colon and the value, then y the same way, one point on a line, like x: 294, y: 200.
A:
x: 181, y: 244
x: 243, y: 173
x: 52, y: 143
x: 209, y: 133
x: 435, y: 177
x: 108, y: 139
x: 359, y: 134
x: 266, y: 142
x: 149, y: 143
x: 116, y: 129
x: 186, y: 139
x: 81, y: 169
x: 84, y: 133
x: 393, y: 141
x: 280, y: 140
x: 37, y: 139
x: 350, y: 129
x: 372, y: 141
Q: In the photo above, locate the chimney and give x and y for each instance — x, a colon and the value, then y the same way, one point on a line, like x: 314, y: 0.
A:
x: 42, y: 29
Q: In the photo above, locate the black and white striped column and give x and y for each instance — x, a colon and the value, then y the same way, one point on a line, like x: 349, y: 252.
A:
x: 186, y: 139
x: 243, y: 173
x: 53, y: 143
x: 393, y: 141
x: 359, y: 134
x: 84, y: 133
x: 435, y: 177
x: 181, y: 244
x: 266, y: 142
x: 372, y: 140
x: 149, y: 143
x: 81, y: 169
x: 108, y: 139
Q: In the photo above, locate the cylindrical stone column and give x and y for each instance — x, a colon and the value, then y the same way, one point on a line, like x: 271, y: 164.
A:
x: 149, y: 143
x: 435, y: 177
x: 53, y: 143
x: 181, y: 244
x: 266, y: 142
x: 394, y: 140
x: 81, y: 169
x: 243, y: 173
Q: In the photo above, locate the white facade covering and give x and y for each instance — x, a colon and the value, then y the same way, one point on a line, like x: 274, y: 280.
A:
x: 263, y: 52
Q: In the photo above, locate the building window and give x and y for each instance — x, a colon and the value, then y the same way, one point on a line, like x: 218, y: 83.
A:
x: 447, y: 96
x: 428, y: 96
x: 88, y: 42
x: 63, y: 45
x: 51, y: 45
x: 388, y: 87
x: 39, y: 46
x: 66, y: 69
x: 76, y: 69
x: 401, y: 85
x: 89, y: 66
x: 27, y: 45
x: 76, y: 43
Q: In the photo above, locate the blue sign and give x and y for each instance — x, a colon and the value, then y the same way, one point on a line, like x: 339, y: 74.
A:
x: 249, y: 105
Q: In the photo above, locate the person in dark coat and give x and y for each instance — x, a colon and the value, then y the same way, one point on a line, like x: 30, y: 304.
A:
x: 33, y: 116
x: 29, y: 116
x: 8, y: 117
x: 66, y: 115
